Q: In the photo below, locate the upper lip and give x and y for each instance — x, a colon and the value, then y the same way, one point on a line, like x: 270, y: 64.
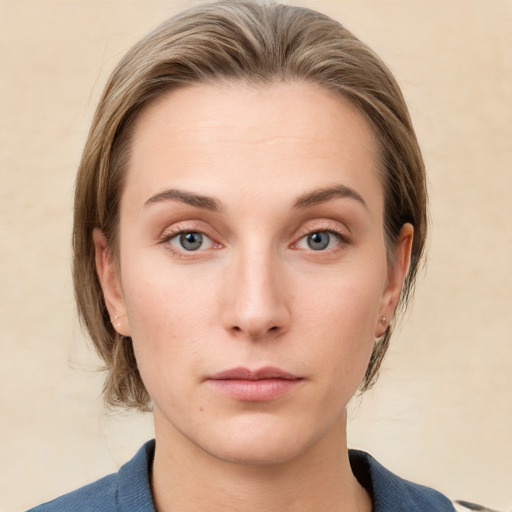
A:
x: 268, y: 372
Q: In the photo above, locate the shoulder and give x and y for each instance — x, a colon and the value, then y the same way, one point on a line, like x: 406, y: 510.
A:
x: 128, y: 490
x: 392, y: 493
x: 100, y: 496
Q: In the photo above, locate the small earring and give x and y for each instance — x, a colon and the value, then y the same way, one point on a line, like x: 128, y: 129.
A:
x: 383, y: 320
x: 118, y: 324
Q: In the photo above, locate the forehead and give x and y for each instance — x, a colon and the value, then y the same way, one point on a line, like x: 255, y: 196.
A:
x: 234, y: 135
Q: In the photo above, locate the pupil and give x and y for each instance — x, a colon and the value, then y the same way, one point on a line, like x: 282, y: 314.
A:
x: 191, y: 241
x: 318, y: 241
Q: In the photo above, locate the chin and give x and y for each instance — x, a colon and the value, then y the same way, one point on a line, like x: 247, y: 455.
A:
x: 250, y: 452
x: 261, y: 443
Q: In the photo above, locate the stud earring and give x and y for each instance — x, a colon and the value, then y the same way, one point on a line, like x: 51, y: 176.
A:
x: 383, y: 320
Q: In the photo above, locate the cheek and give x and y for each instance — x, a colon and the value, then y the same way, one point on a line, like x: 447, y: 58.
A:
x: 159, y: 293
x: 347, y: 299
x: 341, y: 316
x: 170, y: 310
x: 348, y: 315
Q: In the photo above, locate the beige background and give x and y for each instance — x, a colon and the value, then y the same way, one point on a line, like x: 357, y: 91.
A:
x: 442, y: 411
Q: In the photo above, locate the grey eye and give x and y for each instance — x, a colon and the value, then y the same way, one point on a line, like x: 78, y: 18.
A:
x: 319, y: 240
x: 191, y: 241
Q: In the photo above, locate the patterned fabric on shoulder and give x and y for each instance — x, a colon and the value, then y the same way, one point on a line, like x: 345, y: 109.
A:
x: 465, y: 506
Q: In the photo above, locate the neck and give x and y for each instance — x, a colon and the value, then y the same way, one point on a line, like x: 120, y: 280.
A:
x: 186, y: 478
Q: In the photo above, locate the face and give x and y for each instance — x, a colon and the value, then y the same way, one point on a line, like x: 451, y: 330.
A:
x: 253, y: 271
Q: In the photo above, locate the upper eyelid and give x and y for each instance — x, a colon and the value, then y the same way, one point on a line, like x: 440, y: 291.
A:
x: 328, y: 226
x: 187, y: 226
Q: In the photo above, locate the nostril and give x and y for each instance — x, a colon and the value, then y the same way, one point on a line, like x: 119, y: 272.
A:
x: 238, y: 329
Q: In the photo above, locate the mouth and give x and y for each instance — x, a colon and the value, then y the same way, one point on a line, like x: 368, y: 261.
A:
x: 260, y: 385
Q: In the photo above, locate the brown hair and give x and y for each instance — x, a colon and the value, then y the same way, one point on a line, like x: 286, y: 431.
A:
x: 257, y: 43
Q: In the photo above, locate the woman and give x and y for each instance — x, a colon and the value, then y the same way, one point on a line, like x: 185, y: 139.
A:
x: 250, y: 215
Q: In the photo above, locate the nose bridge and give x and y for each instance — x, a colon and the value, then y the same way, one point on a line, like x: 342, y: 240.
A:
x: 258, y: 300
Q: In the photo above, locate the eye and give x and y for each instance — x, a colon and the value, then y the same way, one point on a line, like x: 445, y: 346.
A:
x: 191, y: 241
x: 319, y: 240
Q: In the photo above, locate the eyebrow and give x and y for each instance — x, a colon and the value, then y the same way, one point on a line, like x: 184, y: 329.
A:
x: 212, y: 204
x: 197, y: 200
x: 326, y: 194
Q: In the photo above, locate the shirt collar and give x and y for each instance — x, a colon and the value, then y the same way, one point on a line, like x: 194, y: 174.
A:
x: 389, y: 492
x: 134, y: 481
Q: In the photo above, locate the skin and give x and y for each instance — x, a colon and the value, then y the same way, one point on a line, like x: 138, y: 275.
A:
x: 255, y: 294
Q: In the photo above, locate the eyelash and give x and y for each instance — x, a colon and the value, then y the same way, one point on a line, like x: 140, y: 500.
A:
x: 173, y: 233
x: 343, y: 240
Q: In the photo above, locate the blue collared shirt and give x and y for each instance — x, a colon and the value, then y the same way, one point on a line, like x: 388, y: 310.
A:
x: 129, y: 489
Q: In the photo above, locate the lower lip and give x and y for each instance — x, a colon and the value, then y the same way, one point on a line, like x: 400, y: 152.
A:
x: 254, y: 390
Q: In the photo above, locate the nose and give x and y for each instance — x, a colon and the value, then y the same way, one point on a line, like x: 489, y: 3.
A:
x: 257, y: 304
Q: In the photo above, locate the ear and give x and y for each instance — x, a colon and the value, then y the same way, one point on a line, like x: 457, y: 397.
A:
x: 397, y: 273
x: 110, y: 282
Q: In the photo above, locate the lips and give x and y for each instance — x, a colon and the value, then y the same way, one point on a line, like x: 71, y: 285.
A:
x: 268, y: 372
x: 260, y: 385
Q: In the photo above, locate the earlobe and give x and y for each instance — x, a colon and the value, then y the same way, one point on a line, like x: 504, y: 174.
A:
x: 396, y: 277
x: 110, y: 283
